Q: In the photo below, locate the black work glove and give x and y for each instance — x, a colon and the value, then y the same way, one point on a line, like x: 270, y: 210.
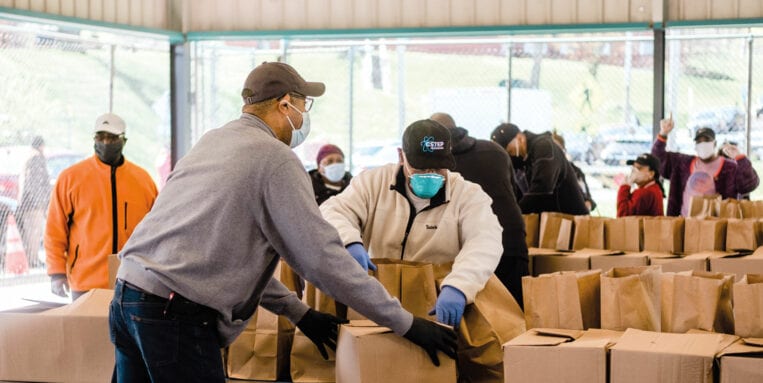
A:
x: 321, y: 329
x: 432, y: 338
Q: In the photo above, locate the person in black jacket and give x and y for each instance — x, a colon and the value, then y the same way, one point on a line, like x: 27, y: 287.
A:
x: 330, y: 178
x: 590, y: 204
x: 486, y: 164
x: 552, y: 183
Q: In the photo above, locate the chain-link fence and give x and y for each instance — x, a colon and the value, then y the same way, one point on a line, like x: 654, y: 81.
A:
x: 595, y: 90
x: 55, y: 82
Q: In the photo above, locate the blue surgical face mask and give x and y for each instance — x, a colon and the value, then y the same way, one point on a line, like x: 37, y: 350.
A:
x: 298, y: 136
x: 426, y: 185
x: 334, y: 172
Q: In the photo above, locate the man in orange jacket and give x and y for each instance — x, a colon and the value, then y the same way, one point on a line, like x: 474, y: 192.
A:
x: 93, y: 210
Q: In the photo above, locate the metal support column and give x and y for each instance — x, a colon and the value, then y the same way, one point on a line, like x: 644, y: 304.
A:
x: 659, y: 79
x: 180, y: 101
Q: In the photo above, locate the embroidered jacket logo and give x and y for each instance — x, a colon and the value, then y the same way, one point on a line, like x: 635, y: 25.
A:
x: 429, y: 145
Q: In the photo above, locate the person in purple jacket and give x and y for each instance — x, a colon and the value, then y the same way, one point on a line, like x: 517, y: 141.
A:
x: 707, y: 173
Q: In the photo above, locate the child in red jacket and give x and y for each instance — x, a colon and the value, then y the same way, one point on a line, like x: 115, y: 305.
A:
x: 647, y: 198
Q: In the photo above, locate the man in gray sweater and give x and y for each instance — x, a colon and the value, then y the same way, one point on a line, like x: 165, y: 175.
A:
x: 201, y: 261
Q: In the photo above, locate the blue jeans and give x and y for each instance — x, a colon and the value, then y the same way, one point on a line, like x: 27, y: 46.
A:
x: 157, y: 342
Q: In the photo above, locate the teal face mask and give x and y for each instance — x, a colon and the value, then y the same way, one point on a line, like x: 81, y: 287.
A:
x: 426, y: 185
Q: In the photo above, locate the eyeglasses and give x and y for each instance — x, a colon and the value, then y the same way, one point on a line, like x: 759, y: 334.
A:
x: 106, y: 137
x: 308, y: 100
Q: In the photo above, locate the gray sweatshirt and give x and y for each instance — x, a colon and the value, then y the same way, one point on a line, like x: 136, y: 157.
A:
x: 233, y: 204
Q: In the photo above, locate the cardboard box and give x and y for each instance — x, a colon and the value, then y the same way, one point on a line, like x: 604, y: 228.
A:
x: 742, y: 361
x: 559, y: 261
x: 113, y: 268
x: 697, y: 261
x: 553, y: 355
x: 367, y: 353
x: 549, y: 261
x: 645, y: 356
x: 734, y: 263
x: 606, y: 262
x: 66, y: 344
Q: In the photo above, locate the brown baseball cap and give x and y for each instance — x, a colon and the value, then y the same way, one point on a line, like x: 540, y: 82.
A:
x: 275, y: 79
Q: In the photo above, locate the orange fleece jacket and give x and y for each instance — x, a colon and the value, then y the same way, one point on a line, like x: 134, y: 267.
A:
x: 82, y: 225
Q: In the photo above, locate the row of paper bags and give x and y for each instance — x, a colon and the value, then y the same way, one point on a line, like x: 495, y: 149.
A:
x: 647, y: 299
x: 674, y: 235
x: 714, y: 206
x: 271, y: 349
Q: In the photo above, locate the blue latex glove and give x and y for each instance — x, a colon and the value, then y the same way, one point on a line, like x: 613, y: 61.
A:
x: 361, y: 255
x: 450, y: 306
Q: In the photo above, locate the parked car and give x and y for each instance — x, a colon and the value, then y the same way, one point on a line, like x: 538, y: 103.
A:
x: 722, y: 120
x: 608, y: 135
x: 13, y: 158
x: 578, y: 147
x: 617, y: 152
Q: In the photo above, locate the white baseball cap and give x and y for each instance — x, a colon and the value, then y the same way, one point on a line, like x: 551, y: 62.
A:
x: 110, y: 123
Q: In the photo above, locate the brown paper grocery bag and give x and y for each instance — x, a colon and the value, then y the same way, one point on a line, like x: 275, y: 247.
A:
x: 702, y: 235
x: 261, y: 351
x: 743, y: 234
x: 552, y: 301
x: 565, y: 300
x: 492, y: 320
x: 555, y: 231
x: 697, y: 300
x: 630, y: 298
x: 624, y: 233
x: 532, y: 226
x: 307, y: 364
x: 748, y: 306
x: 589, y: 232
x: 413, y: 283
x: 704, y: 206
x: 589, y: 289
x: 730, y: 208
x: 663, y: 234
x: 751, y: 209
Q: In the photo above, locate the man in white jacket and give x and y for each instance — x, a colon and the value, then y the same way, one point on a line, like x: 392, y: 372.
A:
x: 418, y: 210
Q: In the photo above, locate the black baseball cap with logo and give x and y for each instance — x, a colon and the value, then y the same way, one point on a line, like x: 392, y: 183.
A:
x: 649, y: 160
x: 427, y: 145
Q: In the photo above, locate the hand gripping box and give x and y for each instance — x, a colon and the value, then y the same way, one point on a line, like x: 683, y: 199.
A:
x: 65, y: 344
x: 557, y: 355
x: 368, y: 353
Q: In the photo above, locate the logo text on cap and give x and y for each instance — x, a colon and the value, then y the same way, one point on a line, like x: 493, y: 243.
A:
x: 429, y: 145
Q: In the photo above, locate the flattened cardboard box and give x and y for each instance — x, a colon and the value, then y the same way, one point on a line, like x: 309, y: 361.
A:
x: 554, y: 355
x: 645, y: 356
x: 742, y: 361
x: 66, y: 344
x: 367, y: 353
x: 739, y: 264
